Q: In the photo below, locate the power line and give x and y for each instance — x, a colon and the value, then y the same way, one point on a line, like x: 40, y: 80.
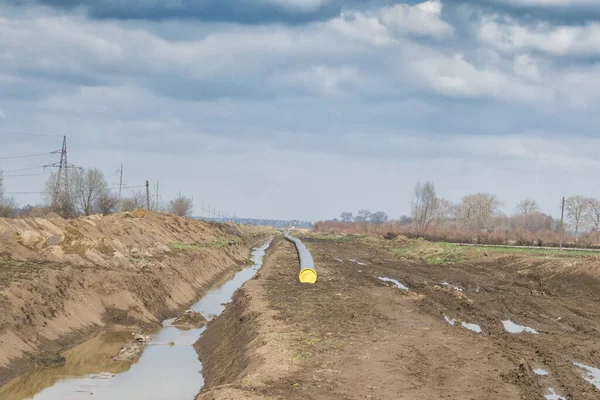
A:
x: 27, y: 134
x: 27, y: 156
x: 23, y: 169
x: 94, y: 157
x: 11, y: 193
x: 12, y: 176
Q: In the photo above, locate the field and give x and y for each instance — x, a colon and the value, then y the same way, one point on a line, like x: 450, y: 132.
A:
x: 355, y: 336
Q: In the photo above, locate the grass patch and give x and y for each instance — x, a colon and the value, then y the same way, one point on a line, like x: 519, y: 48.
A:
x: 431, y: 253
x: 541, y: 252
x: 436, y: 253
x: 12, y: 263
x: 326, y: 238
x: 217, y: 243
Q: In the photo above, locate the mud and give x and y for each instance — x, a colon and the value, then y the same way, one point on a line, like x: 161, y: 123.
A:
x: 63, y: 282
x: 190, y: 320
x: 352, y: 336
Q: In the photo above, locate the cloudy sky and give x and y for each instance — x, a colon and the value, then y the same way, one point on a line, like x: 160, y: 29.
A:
x: 306, y: 108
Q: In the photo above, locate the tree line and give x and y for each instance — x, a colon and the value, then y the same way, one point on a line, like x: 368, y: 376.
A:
x: 89, y: 193
x: 477, y: 218
x: 363, y: 215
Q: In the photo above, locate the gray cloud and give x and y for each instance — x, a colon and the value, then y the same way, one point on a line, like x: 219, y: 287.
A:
x: 244, y: 11
x: 360, y: 105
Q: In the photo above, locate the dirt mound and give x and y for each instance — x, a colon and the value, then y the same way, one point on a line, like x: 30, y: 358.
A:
x: 190, y: 320
x: 401, y: 240
x: 62, y: 281
x: 132, y: 350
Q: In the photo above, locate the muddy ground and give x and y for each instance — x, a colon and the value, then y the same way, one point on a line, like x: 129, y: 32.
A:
x: 353, y: 336
x: 65, y: 281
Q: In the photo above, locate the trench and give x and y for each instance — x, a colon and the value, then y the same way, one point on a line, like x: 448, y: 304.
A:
x: 168, y: 368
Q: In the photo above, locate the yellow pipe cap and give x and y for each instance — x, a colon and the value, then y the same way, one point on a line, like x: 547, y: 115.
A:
x: 308, y: 275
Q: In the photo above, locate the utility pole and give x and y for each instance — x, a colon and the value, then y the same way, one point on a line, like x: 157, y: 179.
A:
x: 562, y: 221
x: 120, y: 186
x: 147, y: 195
x: 61, y: 196
x: 157, y: 201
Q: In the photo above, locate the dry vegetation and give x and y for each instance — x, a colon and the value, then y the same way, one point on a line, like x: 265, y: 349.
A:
x: 477, y: 219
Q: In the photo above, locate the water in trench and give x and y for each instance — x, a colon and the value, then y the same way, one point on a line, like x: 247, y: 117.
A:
x: 395, y: 282
x: 164, y: 371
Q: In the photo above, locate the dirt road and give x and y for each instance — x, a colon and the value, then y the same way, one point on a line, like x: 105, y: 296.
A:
x: 354, y: 336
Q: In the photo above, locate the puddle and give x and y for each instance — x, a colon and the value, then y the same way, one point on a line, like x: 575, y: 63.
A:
x: 337, y: 259
x: 592, y: 374
x: 514, y: 328
x: 553, y: 395
x: 395, y: 282
x: 162, y: 372
x: 357, y: 262
x: 541, y: 372
x: 449, y: 285
x: 450, y: 321
x: 92, y: 358
x: 472, y: 327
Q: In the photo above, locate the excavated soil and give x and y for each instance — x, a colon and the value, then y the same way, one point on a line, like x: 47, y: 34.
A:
x: 65, y: 281
x: 354, y: 336
x: 189, y: 320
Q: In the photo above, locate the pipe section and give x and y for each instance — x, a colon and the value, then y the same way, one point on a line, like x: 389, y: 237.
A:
x: 308, y: 273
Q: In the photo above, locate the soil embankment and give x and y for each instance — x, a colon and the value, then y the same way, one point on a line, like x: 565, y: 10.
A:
x: 62, y: 281
x: 355, y: 336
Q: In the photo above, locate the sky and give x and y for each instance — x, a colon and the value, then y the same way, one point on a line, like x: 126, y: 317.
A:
x: 306, y: 108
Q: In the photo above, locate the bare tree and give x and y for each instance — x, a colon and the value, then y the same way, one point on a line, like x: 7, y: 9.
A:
x: 136, y: 200
x: 107, y: 203
x: 575, y: 209
x: 592, y: 214
x: 363, y: 216
x: 423, y: 206
x: 182, y: 206
x: 477, y: 209
x: 346, y: 217
x: 527, y: 207
x: 405, y: 220
x: 525, y: 212
x: 442, y: 210
x: 379, y: 217
x: 8, y: 206
x: 88, y: 188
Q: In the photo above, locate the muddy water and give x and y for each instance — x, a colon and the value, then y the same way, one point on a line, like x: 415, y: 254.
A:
x: 164, y: 371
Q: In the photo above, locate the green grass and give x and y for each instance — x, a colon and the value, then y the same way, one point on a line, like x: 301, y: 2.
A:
x: 184, y: 246
x: 542, y: 252
x: 431, y: 253
x: 218, y: 243
x: 12, y: 263
x: 440, y: 253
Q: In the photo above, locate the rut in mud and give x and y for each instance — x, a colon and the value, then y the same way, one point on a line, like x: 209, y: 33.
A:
x: 355, y: 336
